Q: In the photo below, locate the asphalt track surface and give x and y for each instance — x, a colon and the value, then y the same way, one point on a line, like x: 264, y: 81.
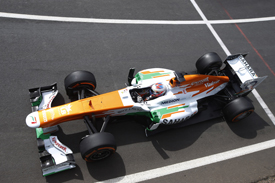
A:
x: 39, y: 52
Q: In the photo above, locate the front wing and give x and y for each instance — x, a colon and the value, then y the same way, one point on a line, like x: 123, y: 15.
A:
x: 54, y: 156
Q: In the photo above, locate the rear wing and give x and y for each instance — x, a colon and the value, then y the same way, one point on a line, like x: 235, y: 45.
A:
x: 54, y: 156
x: 243, y: 72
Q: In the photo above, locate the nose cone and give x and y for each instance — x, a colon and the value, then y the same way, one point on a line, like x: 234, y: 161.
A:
x: 32, y: 120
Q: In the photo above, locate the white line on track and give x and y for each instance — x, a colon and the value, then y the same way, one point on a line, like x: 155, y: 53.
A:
x: 183, y: 166
x: 255, y: 93
x: 125, y: 21
x: 264, y: 106
x: 187, y: 165
x: 211, y: 28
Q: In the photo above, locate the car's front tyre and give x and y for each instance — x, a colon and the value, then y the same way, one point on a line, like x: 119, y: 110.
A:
x: 78, y: 79
x: 97, y: 146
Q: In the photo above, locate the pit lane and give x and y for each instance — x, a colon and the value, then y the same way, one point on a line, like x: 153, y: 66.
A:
x: 36, y: 53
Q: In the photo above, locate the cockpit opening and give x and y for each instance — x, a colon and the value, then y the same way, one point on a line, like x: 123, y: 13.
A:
x: 149, y: 93
x: 139, y: 95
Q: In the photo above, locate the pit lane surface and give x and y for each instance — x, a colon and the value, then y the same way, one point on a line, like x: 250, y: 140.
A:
x: 36, y: 53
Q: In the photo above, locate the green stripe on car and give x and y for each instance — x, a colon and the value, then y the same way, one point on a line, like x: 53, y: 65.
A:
x: 139, y: 76
x: 157, y: 114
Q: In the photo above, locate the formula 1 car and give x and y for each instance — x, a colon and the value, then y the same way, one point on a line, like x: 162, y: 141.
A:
x: 219, y: 89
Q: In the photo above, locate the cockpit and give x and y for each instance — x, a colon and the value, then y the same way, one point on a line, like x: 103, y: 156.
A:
x: 149, y: 93
x: 156, y: 90
x: 139, y: 95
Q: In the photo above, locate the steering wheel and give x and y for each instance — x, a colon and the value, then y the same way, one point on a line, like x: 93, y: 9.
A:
x: 139, y: 98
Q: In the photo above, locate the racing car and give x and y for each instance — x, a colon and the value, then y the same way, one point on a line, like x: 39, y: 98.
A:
x: 164, y: 99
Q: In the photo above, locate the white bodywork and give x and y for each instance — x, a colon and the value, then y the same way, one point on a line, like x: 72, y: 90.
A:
x: 170, y: 108
x: 246, y: 74
x: 180, y: 103
x: 53, y: 146
x: 58, y: 152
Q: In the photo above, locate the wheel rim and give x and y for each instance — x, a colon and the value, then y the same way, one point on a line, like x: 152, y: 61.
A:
x: 242, y: 115
x: 100, y: 154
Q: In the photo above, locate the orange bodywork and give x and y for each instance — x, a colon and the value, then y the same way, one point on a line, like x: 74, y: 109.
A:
x: 107, y: 104
x: 170, y: 114
x: 96, y: 105
x: 198, y: 83
x: 161, y: 76
x: 151, y: 72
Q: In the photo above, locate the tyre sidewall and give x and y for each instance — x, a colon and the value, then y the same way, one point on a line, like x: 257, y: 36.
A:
x: 237, y: 107
x: 97, y: 142
x: 206, y: 62
x: 77, y: 79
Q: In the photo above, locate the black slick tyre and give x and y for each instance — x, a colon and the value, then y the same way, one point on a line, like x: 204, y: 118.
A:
x: 79, y: 79
x: 237, y: 109
x: 208, y: 62
x: 97, y: 146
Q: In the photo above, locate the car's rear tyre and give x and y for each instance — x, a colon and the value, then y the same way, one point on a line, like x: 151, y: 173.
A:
x: 97, y: 146
x: 79, y: 79
x: 237, y: 109
x: 208, y: 62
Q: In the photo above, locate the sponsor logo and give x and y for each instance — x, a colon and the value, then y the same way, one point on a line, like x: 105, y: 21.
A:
x: 45, y: 119
x: 65, y: 109
x: 248, y: 67
x: 199, y: 82
x: 128, y: 110
x: 211, y: 84
x: 52, y: 113
x: 33, y: 120
x: 169, y: 101
x: 172, y: 121
x: 175, y: 121
x: 125, y: 90
x: 57, y: 144
x: 51, y: 99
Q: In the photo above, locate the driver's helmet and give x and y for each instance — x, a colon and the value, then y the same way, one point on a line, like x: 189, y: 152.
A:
x: 158, y: 90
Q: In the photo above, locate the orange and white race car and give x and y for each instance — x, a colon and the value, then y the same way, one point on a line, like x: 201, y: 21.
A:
x: 165, y: 98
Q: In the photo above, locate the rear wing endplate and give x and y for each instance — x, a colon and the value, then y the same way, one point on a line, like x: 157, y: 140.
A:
x: 248, y: 77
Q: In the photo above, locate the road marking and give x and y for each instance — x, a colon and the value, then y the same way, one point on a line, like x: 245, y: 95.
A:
x: 125, y: 21
x: 187, y: 165
x: 179, y: 167
x: 248, y: 20
x: 225, y: 49
x: 264, y: 106
x: 210, y: 27
x: 249, y: 41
